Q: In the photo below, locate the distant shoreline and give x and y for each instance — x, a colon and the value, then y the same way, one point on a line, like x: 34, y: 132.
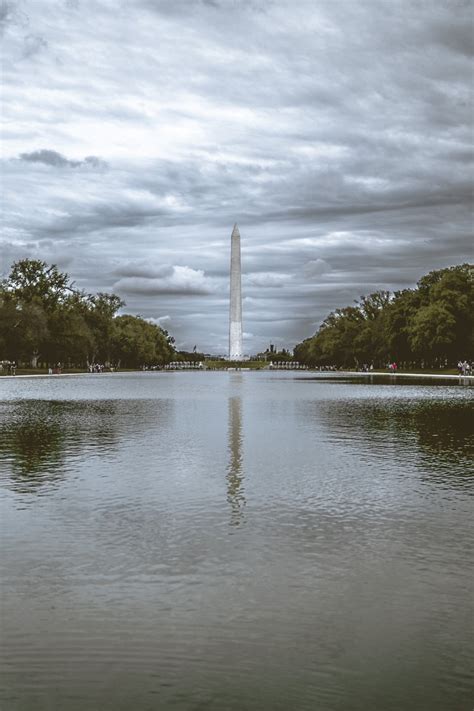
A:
x: 335, y: 373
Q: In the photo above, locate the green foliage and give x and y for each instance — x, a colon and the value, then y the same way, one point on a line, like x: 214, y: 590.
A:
x: 32, y: 280
x: 430, y: 326
x: 135, y: 342
x: 44, y: 319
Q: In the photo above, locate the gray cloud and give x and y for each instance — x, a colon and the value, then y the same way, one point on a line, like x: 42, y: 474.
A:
x: 32, y: 44
x: 57, y: 160
x: 11, y: 14
x: 6, y: 13
x: 338, y: 136
x: 315, y: 268
x: 177, y: 280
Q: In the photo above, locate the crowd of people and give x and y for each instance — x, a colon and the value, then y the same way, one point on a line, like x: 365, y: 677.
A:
x: 465, y: 368
x: 8, y: 366
x: 99, y: 368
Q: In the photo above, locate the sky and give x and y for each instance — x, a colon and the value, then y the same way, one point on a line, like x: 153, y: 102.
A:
x: 337, y: 134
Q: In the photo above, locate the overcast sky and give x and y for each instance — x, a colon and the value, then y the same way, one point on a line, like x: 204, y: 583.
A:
x: 336, y: 133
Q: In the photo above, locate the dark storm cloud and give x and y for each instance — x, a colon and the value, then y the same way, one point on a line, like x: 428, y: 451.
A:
x: 337, y: 134
x: 49, y: 157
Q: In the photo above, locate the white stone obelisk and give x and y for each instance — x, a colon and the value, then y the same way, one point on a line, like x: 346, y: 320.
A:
x: 235, y: 320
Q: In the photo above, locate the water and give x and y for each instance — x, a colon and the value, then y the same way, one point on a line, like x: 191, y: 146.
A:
x: 235, y: 541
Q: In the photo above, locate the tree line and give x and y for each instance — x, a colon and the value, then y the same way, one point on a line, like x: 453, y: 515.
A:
x: 429, y: 326
x: 45, y: 320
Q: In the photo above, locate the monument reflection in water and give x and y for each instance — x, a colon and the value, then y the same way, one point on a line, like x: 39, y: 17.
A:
x: 235, y: 489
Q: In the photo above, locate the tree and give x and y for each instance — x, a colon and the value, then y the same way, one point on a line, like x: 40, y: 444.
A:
x: 100, y: 317
x: 32, y: 280
x: 136, y: 342
x: 43, y: 317
x: 432, y: 333
x: 432, y: 324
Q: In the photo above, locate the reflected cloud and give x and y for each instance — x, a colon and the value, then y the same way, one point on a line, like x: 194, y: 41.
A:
x: 235, y: 477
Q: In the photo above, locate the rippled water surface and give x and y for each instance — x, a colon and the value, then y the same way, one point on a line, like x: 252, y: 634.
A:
x: 235, y: 541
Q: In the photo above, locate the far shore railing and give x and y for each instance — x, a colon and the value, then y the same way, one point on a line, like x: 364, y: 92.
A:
x: 199, y: 365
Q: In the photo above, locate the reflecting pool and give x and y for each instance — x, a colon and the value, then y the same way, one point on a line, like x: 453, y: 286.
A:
x: 235, y: 541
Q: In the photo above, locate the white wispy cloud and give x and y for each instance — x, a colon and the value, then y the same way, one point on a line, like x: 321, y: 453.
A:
x: 168, y: 280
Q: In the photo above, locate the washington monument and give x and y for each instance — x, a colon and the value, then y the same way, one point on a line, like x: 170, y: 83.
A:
x: 235, y: 316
